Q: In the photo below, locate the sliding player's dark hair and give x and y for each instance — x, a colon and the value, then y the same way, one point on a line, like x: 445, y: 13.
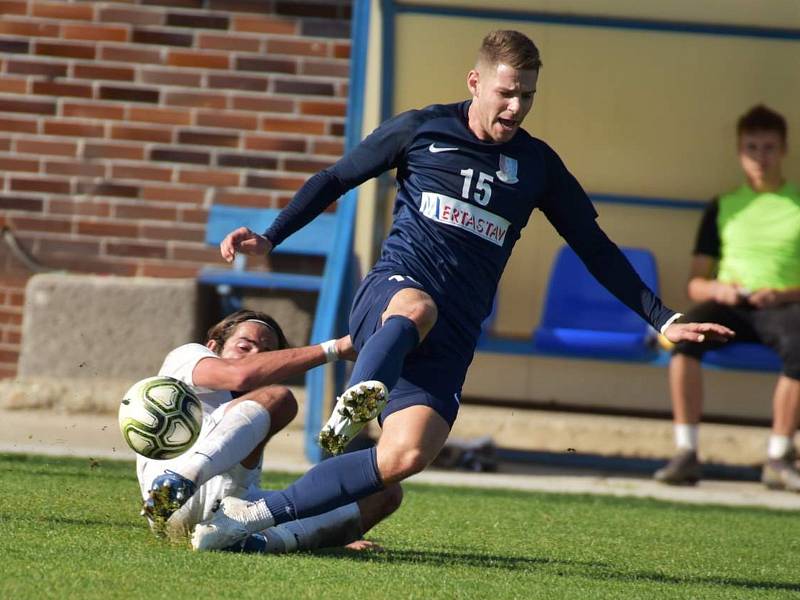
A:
x: 223, y: 330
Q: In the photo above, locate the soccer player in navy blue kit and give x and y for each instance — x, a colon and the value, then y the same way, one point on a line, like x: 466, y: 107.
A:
x: 468, y: 179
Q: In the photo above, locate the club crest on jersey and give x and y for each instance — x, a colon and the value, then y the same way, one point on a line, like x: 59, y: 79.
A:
x: 455, y: 213
x: 508, y: 169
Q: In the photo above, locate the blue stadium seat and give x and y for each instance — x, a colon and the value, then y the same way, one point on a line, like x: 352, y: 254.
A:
x: 744, y: 355
x: 581, y: 318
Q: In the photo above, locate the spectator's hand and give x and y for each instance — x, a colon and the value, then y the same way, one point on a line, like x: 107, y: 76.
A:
x: 698, y: 332
x: 765, y: 298
x: 245, y: 241
x: 726, y: 293
x: 344, y: 348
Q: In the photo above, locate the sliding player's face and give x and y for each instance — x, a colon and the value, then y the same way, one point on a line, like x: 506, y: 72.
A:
x: 249, y: 338
x: 501, y: 99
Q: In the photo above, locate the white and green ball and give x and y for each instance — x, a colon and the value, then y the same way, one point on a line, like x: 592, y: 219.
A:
x: 160, y: 417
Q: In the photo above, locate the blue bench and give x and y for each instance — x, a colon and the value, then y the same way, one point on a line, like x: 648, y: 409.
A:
x: 315, y: 239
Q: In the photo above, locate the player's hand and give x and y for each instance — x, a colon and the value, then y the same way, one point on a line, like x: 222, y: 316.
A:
x: 729, y: 294
x: 244, y: 241
x: 698, y: 332
x: 344, y: 348
x: 765, y: 298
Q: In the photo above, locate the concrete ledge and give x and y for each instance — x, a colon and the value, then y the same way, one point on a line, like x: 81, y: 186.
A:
x: 86, y: 326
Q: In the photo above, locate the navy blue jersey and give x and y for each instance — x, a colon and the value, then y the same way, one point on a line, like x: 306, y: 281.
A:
x: 461, y: 205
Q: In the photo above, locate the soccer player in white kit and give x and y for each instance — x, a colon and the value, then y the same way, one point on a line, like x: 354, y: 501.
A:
x: 234, y: 376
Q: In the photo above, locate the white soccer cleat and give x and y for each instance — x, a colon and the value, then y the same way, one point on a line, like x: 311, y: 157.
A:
x: 359, y: 404
x: 226, y: 528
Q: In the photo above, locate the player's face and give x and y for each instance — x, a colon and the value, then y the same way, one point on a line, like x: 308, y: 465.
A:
x: 761, y: 155
x: 249, y: 338
x: 501, y: 99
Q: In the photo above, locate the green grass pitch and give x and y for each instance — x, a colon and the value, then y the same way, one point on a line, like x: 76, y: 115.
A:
x: 70, y: 529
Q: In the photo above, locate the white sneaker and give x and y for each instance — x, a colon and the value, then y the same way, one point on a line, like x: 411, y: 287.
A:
x: 358, y: 405
x: 224, y: 529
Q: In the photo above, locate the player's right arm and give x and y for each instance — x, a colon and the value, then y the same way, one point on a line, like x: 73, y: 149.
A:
x: 376, y: 154
x: 264, y: 368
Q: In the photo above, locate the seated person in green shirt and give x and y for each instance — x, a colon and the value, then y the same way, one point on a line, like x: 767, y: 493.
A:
x: 745, y: 274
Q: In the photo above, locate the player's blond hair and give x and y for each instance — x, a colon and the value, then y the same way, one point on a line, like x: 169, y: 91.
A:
x: 509, y: 47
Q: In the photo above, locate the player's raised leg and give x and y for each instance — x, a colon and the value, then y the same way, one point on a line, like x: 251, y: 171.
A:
x: 407, y: 319
x: 238, y: 437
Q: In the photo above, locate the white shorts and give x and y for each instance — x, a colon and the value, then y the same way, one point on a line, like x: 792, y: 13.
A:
x: 237, y: 481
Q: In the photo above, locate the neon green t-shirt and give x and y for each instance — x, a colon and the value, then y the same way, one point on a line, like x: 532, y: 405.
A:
x: 759, y: 235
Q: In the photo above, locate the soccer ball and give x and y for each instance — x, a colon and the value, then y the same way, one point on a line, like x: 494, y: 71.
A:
x: 160, y: 417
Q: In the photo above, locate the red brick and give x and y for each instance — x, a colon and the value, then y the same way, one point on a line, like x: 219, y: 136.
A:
x: 21, y: 203
x: 341, y: 50
x: 303, y: 86
x: 63, y: 10
x: 230, y: 120
x: 139, y: 250
x: 298, y: 47
x: 46, y: 147
x: 13, y: 85
x: 271, y: 182
x: 197, y: 60
x: 195, y: 99
x: 331, y: 109
x: 28, y: 28
x: 172, y: 77
x: 142, y: 134
x: 196, y: 255
x: 329, y: 147
x: 5, y: 144
x: 197, y: 20
x: 10, y: 356
x: 265, y: 25
x: 21, y: 125
x: 11, y: 46
x: 13, y: 7
x: 217, y: 41
x: 26, y: 67
x: 79, y: 207
x: 132, y: 54
x: 40, y: 107
x: 171, y: 271
x: 107, y: 228
x: 52, y: 88
x: 138, y: 211
x: 80, y: 169
x: 192, y: 215
x: 106, y: 188
x: 65, y: 49
x: 161, y: 38
x: 205, y: 138
x: 237, y: 82
x: 82, y: 247
x: 326, y: 68
x: 262, y: 104
x: 171, y: 232
x: 209, y: 177
x: 104, y: 33
x: 293, y: 126
x: 141, y: 173
x: 242, y: 199
x: 91, y: 110
x: 95, y: 72
x: 332, y: 10
x: 13, y: 337
x: 51, y: 186
x: 267, y: 64
x: 75, y: 128
x: 174, y: 194
x: 247, y: 161
x: 131, y: 16
x: 19, y: 164
x: 254, y: 142
x: 178, y: 154
x: 128, y: 94
x: 166, y: 116
x: 336, y: 129
x: 125, y: 151
x: 44, y: 224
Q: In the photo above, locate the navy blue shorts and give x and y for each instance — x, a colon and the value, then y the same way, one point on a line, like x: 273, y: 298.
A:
x: 433, y: 373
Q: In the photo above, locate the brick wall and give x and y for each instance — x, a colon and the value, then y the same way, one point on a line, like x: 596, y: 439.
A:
x: 122, y: 122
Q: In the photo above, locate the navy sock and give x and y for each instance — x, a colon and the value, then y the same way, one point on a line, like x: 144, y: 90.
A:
x: 381, y: 358
x: 332, y: 483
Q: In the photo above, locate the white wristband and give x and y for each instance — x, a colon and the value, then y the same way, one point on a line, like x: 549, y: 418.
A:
x: 329, y: 348
x: 671, y: 320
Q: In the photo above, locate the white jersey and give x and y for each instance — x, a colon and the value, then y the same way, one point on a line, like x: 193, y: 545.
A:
x: 180, y: 364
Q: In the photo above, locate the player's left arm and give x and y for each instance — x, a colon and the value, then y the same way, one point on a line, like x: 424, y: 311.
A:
x: 267, y: 368
x: 769, y: 297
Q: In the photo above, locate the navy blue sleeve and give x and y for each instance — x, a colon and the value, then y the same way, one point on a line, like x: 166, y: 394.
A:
x: 381, y: 151
x: 707, y: 241
x: 572, y: 214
